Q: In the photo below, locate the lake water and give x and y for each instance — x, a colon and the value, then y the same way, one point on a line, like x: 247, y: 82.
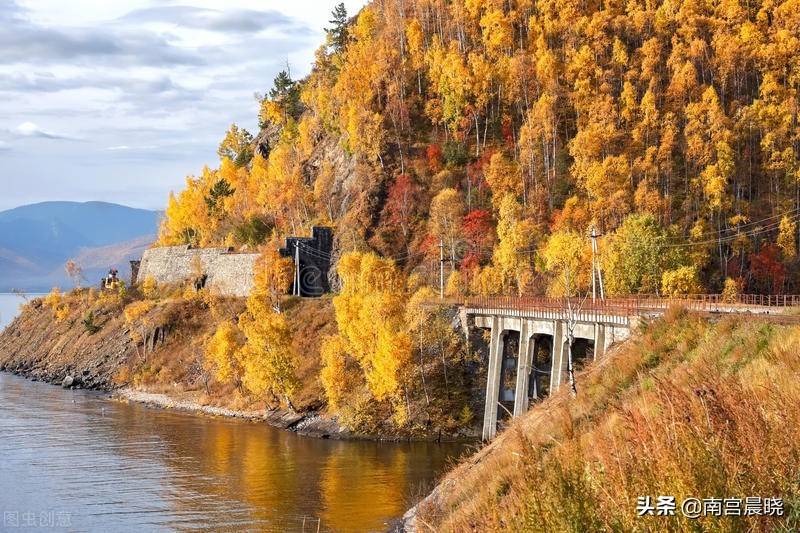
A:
x: 76, y: 461
x: 9, y: 308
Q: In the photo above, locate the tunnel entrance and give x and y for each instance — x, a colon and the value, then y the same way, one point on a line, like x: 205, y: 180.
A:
x: 541, y: 367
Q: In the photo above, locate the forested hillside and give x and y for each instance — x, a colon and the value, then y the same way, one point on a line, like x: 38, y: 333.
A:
x: 501, y: 133
x: 492, y: 124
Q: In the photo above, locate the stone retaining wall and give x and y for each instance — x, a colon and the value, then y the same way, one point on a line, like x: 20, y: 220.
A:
x: 228, y: 273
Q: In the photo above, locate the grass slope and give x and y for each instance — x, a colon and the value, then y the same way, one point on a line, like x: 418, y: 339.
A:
x: 690, y: 409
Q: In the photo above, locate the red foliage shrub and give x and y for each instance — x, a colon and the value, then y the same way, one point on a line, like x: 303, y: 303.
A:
x: 768, y: 272
x: 434, y: 154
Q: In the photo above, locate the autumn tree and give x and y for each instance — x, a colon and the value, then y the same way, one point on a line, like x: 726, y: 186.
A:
x: 445, y: 219
x: 513, y: 254
x: 370, y: 313
x: 636, y: 256
x: 237, y: 146
x: 222, y: 352
x: 566, y: 257
x: 75, y: 272
x: 267, y: 357
x: 787, y: 238
x: 140, y: 324
x: 402, y: 203
x: 272, y: 278
x: 681, y: 281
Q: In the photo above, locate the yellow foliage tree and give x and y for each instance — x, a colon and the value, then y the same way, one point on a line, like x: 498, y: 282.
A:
x: 445, y: 219
x: 681, y: 281
x: 504, y: 178
x: 56, y: 302
x: 566, y: 256
x: 512, y: 258
x: 336, y: 380
x: 272, y: 277
x: 370, y: 315
x: 222, y: 351
x: 455, y: 285
x: 267, y: 357
x: 787, y: 237
x: 488, y: 281
x: 139, y: 324
x: 150, y: 288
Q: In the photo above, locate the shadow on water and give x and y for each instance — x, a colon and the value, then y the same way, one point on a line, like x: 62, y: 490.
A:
x: 114, y: 466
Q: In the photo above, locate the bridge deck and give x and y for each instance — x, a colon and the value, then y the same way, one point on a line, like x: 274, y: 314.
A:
x: 619, y: 310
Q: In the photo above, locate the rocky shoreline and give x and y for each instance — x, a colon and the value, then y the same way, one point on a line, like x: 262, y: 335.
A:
x: 308, y: 425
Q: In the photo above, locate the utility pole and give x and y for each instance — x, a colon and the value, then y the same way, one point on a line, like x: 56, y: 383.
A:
x: 596, y: 268
x: 296, y: 269
x: 441, y: 269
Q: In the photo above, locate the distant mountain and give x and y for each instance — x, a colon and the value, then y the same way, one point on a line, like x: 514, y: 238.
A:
x: 36, y: 240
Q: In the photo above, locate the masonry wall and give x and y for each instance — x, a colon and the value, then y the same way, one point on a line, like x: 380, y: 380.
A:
x: 228, y: 273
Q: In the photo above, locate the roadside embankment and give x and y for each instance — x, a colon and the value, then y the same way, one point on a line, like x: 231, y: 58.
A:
x: 684, y: 409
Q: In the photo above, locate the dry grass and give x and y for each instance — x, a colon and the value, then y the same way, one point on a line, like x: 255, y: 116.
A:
x: 690, y: 409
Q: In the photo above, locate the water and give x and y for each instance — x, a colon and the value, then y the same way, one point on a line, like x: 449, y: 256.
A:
x: 76, y: 461
x: 9, y: 308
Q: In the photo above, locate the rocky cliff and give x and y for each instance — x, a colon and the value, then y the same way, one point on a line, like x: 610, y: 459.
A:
x: 39, y: 347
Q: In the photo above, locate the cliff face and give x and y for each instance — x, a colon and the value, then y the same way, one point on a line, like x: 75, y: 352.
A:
x: 36, y: 345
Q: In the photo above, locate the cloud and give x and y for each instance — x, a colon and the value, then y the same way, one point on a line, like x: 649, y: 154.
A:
x: 148, y: 92
x: 229, y: 21
x: 30, y: 129
x: 47, y: 82
x: 25, y: 42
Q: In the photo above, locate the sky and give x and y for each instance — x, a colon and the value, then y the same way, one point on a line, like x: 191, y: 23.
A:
x: 120, y: 101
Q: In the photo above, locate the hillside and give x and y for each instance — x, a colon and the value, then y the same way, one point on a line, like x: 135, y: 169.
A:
x: 689, y: 408
x: 157, y: 346
x: 492, y: 138
x: 36, y: 240
x: 491, y: 126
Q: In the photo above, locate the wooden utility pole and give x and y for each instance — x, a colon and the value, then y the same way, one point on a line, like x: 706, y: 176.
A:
x: 441, y: 269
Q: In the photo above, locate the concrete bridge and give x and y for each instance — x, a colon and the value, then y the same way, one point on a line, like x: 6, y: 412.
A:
x: 528, y: 346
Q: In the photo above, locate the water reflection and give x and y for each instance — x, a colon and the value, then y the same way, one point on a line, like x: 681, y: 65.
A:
x: 124, y: 467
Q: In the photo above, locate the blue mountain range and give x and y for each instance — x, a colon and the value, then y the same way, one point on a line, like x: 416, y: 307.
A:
x: 36, y: 241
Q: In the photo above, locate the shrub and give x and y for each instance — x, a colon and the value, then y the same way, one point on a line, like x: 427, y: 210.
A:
x: 681, y: 281
x: 89, y: 323
x: 730, y: 290
x: 150, y: 288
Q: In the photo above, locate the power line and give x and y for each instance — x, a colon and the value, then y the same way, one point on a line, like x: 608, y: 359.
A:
x: 752, y: 233
x: 741, y: 227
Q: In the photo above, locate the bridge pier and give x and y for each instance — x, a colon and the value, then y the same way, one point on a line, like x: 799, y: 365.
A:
x: 493, y: 378
x: 599, y: 340
x: 523, y: 369
x: 559, y: 355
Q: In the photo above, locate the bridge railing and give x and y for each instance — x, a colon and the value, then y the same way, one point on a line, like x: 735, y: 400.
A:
x: 558, y: 308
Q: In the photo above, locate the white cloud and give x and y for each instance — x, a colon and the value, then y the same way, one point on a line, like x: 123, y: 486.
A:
x: 30, y: 129
x: 150, y: 86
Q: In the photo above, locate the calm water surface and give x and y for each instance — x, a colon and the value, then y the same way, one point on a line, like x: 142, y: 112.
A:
x: 9, y: 307
x: 76, y: 461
